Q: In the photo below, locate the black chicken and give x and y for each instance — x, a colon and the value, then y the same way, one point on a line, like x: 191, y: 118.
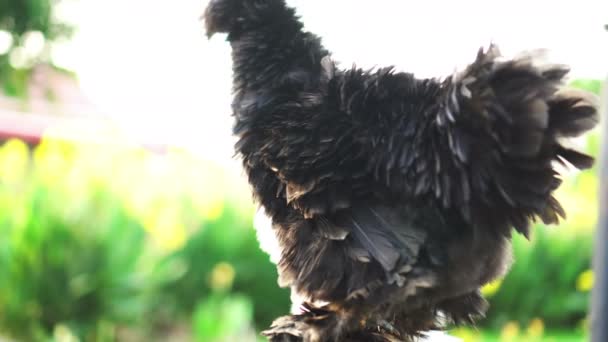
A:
x: 392, y: 198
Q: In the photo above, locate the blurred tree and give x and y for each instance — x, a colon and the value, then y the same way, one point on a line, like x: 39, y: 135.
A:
x: 22, y: 16
x: 27, y: 28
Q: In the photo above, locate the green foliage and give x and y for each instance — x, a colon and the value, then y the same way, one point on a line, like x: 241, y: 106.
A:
x: 14, y: 81
x: 93, y: 246
x: 591, y: 85
x: 221, y: 318
x: 77, y: 268
x: 543, y: 281
x: 21, y: 18
x: 228, y: 241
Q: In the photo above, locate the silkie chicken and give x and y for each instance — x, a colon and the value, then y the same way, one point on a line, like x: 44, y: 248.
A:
x: 392, y: 198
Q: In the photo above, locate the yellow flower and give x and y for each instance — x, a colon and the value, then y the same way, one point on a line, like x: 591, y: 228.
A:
x: 222, y: 276
x: 165, y: 227
x: 584, y: 282
x: 62, y: 333
x: 536, y: 328
x: 509, y: 331
x: 14, y: 160
x: 492, y: 288
x: 53, y: 159
x: 467, y: 334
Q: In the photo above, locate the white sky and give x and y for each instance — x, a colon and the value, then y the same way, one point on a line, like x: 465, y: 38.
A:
x: 148, y: 65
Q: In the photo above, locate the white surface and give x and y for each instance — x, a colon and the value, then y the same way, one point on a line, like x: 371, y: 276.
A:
x: 439, y: 336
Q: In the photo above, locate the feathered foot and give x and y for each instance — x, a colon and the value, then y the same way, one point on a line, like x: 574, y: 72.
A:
x: 465, y: 310
x: 326, y: 327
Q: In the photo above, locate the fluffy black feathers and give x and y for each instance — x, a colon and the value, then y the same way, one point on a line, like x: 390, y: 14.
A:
x: 392, y: 198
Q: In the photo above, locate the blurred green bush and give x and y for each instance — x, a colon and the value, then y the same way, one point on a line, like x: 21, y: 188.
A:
x: 110, y: 242
x: 104, y: 242
x: 24, y: 21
